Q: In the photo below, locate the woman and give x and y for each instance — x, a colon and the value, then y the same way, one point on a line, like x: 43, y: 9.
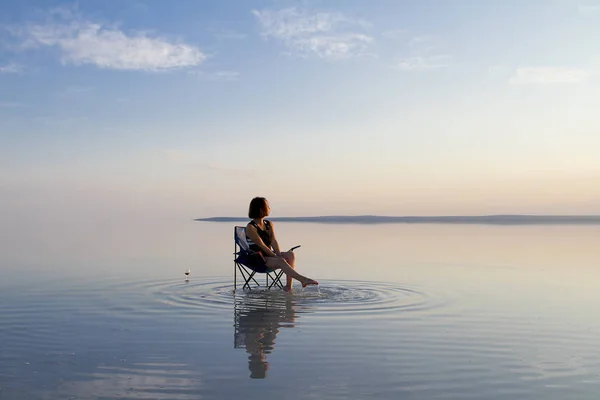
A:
x: 261, y: 238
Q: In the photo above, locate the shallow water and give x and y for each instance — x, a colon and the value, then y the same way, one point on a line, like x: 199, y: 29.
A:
x: 403, y: 311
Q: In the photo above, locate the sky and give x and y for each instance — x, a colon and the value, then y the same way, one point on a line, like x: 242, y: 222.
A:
x: 189, y: 109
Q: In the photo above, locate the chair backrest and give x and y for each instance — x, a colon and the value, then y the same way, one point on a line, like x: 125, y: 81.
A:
x: 240, y: 237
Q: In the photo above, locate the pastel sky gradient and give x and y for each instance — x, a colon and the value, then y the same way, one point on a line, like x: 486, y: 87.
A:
x: 189, y: 109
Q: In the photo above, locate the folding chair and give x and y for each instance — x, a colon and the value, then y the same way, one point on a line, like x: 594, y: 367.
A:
x: 241, y: 253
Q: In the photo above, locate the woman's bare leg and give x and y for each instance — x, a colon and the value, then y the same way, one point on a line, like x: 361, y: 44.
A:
x: 290, y: 258
x: 280, y: 263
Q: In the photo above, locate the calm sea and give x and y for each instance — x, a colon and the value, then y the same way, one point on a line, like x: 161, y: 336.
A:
x: 406, y: 311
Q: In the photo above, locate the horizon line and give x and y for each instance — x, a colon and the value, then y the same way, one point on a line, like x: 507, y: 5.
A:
x: 457, y: 219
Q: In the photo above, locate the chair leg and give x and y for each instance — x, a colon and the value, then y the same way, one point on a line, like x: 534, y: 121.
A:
x: 247, y: 278
x: 276, y: 281
x: 279, y: 279
x: 247, y: 284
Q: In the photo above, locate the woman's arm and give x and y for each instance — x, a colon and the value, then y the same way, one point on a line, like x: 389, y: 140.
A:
x: 274, y: 242
x: 255, y: 237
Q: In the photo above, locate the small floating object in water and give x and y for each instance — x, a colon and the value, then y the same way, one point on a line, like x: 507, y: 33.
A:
x: 187, y: 274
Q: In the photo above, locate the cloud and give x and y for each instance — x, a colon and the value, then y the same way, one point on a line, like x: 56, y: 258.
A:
x: 85, y: 42
x: 78, y: 89
x: 423, y: 63
x: 548, y: 75
x: 325, y: 35
x: 424, y: 54
x: 589, y: 9
x: 10, y: 104
x: 11, y: 68
x: 394, y: 34
x: 72, y: 91
x: 217, y: 76
x: 425, y: 44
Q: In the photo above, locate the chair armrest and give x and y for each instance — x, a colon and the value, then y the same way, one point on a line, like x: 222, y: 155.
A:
x: 295, y: 247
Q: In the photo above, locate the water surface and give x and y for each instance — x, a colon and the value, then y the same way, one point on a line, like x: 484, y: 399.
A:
x: 403, y: 311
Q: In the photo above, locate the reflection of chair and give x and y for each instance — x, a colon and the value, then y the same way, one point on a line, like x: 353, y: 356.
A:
x: 244, y: 261
x: 258, y: 316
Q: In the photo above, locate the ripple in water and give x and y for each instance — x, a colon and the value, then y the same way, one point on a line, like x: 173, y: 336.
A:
x: 330, y: 298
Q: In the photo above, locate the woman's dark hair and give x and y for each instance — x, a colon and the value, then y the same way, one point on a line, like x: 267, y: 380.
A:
x: 258, y: 208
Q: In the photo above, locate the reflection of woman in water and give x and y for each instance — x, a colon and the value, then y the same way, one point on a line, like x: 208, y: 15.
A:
x: 261, y: 238
x: 257, y: 327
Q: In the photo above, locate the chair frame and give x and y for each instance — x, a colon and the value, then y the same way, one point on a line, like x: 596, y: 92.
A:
x: 247, y: 272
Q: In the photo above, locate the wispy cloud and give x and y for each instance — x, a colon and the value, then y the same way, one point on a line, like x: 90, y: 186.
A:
x: 424, y: 54
x: 394, y: 34
x: 11, y: 68
x: 217, y: 76
x: 78, y: 89
x: 589, y: 9
x: 423, y: 63
x: 549, y: 75
x: 423, y: 44
x: 10, y: 104
x: 81, y: 41
x: 73, y: 91
x: 325, y: 35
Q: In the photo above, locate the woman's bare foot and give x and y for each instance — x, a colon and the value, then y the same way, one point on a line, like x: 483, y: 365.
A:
x: 309, y: 281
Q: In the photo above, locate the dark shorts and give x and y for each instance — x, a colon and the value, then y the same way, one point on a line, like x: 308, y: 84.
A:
x: 255, y: 262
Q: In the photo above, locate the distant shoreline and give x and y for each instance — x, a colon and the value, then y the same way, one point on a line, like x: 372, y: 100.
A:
x: 482, y: 219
